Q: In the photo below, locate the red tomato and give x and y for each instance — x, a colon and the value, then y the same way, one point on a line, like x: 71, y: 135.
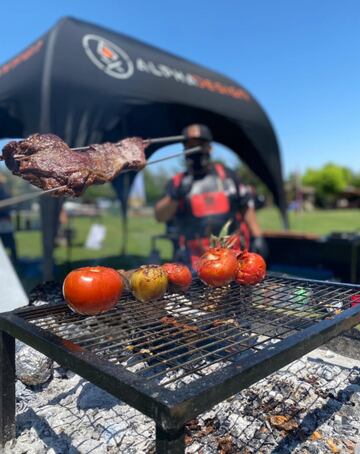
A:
x: 92, y: 290
x: 179, y: 275
x: 217, y: 266
x: 252, y: 268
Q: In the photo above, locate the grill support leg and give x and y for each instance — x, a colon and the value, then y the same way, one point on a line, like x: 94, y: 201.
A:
x: 7, y: 388
x: 170, y: 442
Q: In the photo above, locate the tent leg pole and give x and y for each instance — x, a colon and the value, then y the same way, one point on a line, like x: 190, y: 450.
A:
x: 50, y: 210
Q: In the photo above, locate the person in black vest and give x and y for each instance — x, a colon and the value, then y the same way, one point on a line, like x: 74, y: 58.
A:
x: 199, y: 201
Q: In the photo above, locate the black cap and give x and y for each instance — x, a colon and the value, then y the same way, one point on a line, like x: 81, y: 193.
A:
x: 197, y: 131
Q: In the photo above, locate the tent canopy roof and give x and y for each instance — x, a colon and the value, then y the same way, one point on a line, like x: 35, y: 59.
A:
x: 88, y: 84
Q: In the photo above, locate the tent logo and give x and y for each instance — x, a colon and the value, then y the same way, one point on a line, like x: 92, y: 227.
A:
x: 108, y: 57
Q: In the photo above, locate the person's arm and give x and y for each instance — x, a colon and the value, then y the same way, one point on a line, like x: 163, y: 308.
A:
x: 165, y: 209
x: 252, y: 222
x: 247, y: 210
x: 246, y: 206
x: 258, y: 243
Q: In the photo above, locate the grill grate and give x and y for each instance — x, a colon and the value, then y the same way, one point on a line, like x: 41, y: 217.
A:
x: 177, y: 340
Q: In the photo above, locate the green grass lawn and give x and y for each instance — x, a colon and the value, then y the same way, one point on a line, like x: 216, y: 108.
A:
x: 320, y: 222
x: 142, y: 228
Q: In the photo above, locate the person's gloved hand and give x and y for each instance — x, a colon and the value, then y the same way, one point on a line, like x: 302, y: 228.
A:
x: 259, y: 245
x: 180, y: 192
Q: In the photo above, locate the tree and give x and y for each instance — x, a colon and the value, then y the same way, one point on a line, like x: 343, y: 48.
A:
x: 249, y: 177
x: 355, y: 179
x: 155, y: 184
x: 99, y: 191
x: 328, y: 182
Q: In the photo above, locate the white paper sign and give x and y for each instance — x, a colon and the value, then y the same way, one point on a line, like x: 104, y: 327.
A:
x: 95, y: 236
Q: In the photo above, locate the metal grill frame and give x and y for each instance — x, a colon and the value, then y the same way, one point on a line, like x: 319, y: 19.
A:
x: 170, y: 409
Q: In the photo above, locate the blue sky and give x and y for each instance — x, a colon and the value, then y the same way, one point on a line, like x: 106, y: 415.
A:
x: 299, y: 59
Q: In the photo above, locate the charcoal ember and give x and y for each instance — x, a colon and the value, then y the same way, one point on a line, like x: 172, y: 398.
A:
x: 32, y: 367
x: 334, y: 307
x: 62, y: 372
x: 226, y: 445
x: 49, y: 292
x: 194, y: 447
x: 354, y: 377
x: 212, y: 298
x: 283, y: 422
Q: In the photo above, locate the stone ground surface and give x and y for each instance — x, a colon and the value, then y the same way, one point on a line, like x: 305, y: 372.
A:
x: 311, y: 406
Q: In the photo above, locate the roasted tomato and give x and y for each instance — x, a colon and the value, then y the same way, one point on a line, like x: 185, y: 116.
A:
x: 251, y: 269
x: 179, y: 275
x: 92, y: 290
x: 148, y: 283
x: 217, y: 266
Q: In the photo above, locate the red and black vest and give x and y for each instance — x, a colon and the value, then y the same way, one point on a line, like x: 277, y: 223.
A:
x: 211, y: 202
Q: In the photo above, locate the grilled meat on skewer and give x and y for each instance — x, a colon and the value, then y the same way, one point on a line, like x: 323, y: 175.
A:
x: 47, y: 162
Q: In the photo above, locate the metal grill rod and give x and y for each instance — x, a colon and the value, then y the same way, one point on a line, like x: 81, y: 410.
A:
x: 148, y: 316
x: 229, y: 334
x: 147, y: 141
x: 224, y: 339
x: 69, y: 316
x: 132, y: 332
x: 31, y: 313
x: 170, y: 361
x: 22, y: 198
x: 223, y: 358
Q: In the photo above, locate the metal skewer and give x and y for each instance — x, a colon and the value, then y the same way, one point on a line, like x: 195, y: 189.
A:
x: 22, y: 198
x: 176, y: 155
x: 147, y: 141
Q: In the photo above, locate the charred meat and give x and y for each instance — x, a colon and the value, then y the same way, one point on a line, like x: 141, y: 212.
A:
x: 47, y: 162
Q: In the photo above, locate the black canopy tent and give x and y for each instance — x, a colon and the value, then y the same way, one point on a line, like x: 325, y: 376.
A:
x: 88, y: 84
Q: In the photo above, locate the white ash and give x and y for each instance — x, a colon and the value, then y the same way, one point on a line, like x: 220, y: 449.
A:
x: 70, y: 415
x: 46, y: 293
x: 74, y: 416
x: 182, y: 307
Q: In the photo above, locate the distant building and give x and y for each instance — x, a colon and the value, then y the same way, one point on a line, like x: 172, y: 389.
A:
x: 301, y: 198
x: 349, y: 198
